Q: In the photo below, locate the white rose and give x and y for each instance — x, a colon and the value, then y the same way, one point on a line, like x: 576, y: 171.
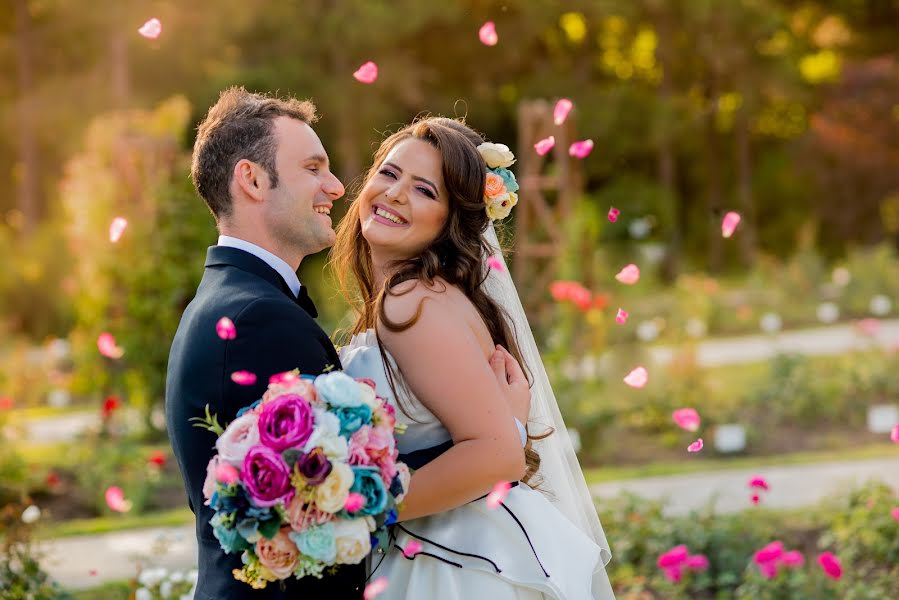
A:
x: 353, y: 541
x: 241, y: 435
x: 331, y: 495
x: 369, y: 397
x: 496, y: 155
x: 500, y: 207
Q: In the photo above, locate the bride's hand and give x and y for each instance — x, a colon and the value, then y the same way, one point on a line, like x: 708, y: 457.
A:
x: 512, y: 382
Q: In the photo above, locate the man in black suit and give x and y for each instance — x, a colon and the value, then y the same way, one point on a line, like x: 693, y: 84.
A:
x: 265, y: 176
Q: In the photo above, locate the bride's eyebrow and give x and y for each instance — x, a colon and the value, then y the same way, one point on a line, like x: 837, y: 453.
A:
x: 416, y: 177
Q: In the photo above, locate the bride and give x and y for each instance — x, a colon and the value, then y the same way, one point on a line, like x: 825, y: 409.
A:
x: 431, y: 311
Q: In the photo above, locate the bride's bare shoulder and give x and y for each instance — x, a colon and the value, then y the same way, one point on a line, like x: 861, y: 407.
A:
x: 409, y: 299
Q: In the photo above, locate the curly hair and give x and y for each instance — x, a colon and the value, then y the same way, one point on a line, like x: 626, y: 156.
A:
x: 456, y: 255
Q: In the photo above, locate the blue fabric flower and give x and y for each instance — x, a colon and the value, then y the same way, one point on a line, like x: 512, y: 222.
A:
x: 229, y: 537
x: 317, y: 542
x: 508, y: 178
x: 338, y: 389
x: 246, y: 409
x: 352, y: 418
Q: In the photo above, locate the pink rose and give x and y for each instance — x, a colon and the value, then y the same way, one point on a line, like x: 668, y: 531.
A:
x: 358, y: 442
x: 266, y: 477
x: 241, y: 435
x: 286, y: 422
x: 302, y: 515
x: 299, y: 387
x: 380, y: 443
x: 279, y: 554
x: 209, y: 484
x: 495, y: 187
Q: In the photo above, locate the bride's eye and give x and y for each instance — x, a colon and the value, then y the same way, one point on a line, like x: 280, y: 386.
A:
x: 387, y: 172
x: 427, y: 192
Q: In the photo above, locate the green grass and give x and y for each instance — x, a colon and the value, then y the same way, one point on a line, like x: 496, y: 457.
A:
x: 111, y: 590
x: 98, y: 525
x: 46, y: 412
x: 604, y: 474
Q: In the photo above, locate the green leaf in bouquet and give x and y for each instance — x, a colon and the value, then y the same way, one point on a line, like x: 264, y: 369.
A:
x: 249, y: 529
x: 290, y: 456
x: 210, y: 422
x: 269, y: 528
x: 382, y: 537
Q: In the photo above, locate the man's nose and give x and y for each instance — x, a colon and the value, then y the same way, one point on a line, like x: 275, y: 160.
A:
x: 333, y: 187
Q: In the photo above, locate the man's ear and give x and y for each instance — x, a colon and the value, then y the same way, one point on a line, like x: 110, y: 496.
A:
x: 251, y: 179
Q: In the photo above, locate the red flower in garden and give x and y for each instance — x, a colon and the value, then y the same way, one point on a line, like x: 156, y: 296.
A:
x: 110, y: 405
x: 53, y: 479
x: 157, y: 458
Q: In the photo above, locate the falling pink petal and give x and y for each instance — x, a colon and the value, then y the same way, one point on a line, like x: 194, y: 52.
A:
x: 354, y: 502
x: 117, y: 228
x: 92, y: 572
x: 792, y: 559
x: 613, y: 214
x: 107, y: 346
x: 687, y: 418
x: 580, y: 149
x: 637, y: 378
x: 243, y: 377
x: 226, y: 474
x: 695, y: 446
x: 759, y: 482
x: 115, y: 499
x: 225, y: 329
x: 412, y: 548
x: 755, y: 499
x: 729, y: 224
x: 496, y: 497
x: 629, y: 275
x: 376, y: 587
x: 367, y: 73
x: 673, y: 574
x: 697, y: 562
x: 894, y: 435
x: 895, y: 513
x: 868, y: 327
x: 560, y: 112
x: 830, y: 564
x: 285, y: 378
x: 545, y: 145
x: 621, y: 317
x: 495, y: 263
x: 151, y: 29
x: 487, y: 34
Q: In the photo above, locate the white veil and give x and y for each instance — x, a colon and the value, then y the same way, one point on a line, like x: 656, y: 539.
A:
x: 559, y: 467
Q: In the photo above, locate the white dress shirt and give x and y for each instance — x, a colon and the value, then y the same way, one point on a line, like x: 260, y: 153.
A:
x: 275, y: 262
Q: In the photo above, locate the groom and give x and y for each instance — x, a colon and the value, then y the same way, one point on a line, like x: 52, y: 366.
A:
x: 265, y: 176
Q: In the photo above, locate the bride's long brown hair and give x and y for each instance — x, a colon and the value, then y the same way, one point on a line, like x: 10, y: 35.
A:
x: 457, y: 254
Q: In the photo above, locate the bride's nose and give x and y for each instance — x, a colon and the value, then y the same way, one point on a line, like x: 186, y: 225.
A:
x: 395, y: 193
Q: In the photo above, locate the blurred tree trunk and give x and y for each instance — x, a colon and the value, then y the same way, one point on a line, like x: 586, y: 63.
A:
x: 712, y: 145
x: 747, y: 237
x: 28, y: 190
x: 120, y: 71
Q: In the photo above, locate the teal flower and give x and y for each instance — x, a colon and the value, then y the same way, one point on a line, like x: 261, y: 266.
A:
x: 229, y: 538
x: 317, y: 542
x: 508, y: 178
x: 368, y: 482
x: 352, y: 418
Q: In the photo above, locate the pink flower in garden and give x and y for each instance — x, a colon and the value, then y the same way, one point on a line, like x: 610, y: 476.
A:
x: 110, y: 405
x: 792, y: 559
x: 637, y: 378
x: 561, y: 110
x: 629, y: 275
x: 687, y: 418
x: 115, y: 499
x: 412, y: 548
x: 674, y: 557
x: 151, y: 29
x: 729, y: 224
x: 621, y: 317
x: 768, y: 569
x: 895, y: 513
x: 487, y: 34
x: 107, y: 346
x: 697, y: 562
x: 117, y: 228
x: 696, y: 446
x: 495, y: 263
x: 157, y: 458
x: 755, y: 499
x: 759, y: 482
x: 613, y: 214
x: 673, y: 574
x: 868, y: 327
x: 769, y: 553
x: 830, y: 564
x: 571, y: 291
x: 894, y: 435
x: 498, y: 494
x: 545, y: 145
x: 367, y: 73
x: 375, y: 588
x: 225, y: 329
x: 243, y: 377
x: 580, y: 149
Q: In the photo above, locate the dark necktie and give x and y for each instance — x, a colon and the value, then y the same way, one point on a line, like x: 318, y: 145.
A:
x: 305, y: 302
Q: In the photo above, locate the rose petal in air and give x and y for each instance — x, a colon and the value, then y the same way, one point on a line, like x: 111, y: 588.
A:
x: 695, y: 446
x: 496, y: 497
x: 629, y: 275
x: 107, y: 346
x: 243, y: 377
x: 621, y: 317
x: 367, y: 73
x: 354, y: 502
x: 545, y: 145
x: 151, y: 29
x: 687, y: 418
x: 495, y: 263
x: 487, y: 34
x: 225, y: 329
x: 637, y: 378
x: 92, y: 572
x: 613, y: 214
x: 755, y: 499
x: 285, y: 378
x: 560, y: 112
x: 117, y: 228
x: 729, y: 224
x: 581, y: 149
x: 412, y: 548
x: 376, y: 587
x: 115, y: 499
x: 759, y: 482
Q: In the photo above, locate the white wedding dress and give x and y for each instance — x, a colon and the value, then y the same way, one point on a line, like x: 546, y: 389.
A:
x: 524, y: 549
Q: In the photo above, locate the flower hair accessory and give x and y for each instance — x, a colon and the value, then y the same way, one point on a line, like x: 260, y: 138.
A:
x: 500, y: 192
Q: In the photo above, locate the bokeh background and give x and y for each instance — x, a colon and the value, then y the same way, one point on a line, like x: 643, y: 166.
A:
x: 784, y: 336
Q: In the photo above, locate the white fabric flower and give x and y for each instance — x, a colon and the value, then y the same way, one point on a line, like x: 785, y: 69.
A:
x: 331, y: 495
x: 353, y: 540
x: 496, y: 155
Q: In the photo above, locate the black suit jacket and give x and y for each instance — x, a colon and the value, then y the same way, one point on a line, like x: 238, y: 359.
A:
x: 275, y: 333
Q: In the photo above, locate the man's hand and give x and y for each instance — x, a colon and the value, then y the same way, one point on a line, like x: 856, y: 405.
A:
x: 512, y: 382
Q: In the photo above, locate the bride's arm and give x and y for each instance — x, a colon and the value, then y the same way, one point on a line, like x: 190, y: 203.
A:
x: 445, y: 367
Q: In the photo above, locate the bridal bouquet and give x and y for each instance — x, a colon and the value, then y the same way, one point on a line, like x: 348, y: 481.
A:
x: 305, y: 478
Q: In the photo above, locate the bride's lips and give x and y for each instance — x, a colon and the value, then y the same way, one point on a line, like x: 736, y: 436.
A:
x: 384, y: 221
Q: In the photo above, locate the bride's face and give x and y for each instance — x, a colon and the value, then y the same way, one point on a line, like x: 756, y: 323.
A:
x: 404, y: 206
